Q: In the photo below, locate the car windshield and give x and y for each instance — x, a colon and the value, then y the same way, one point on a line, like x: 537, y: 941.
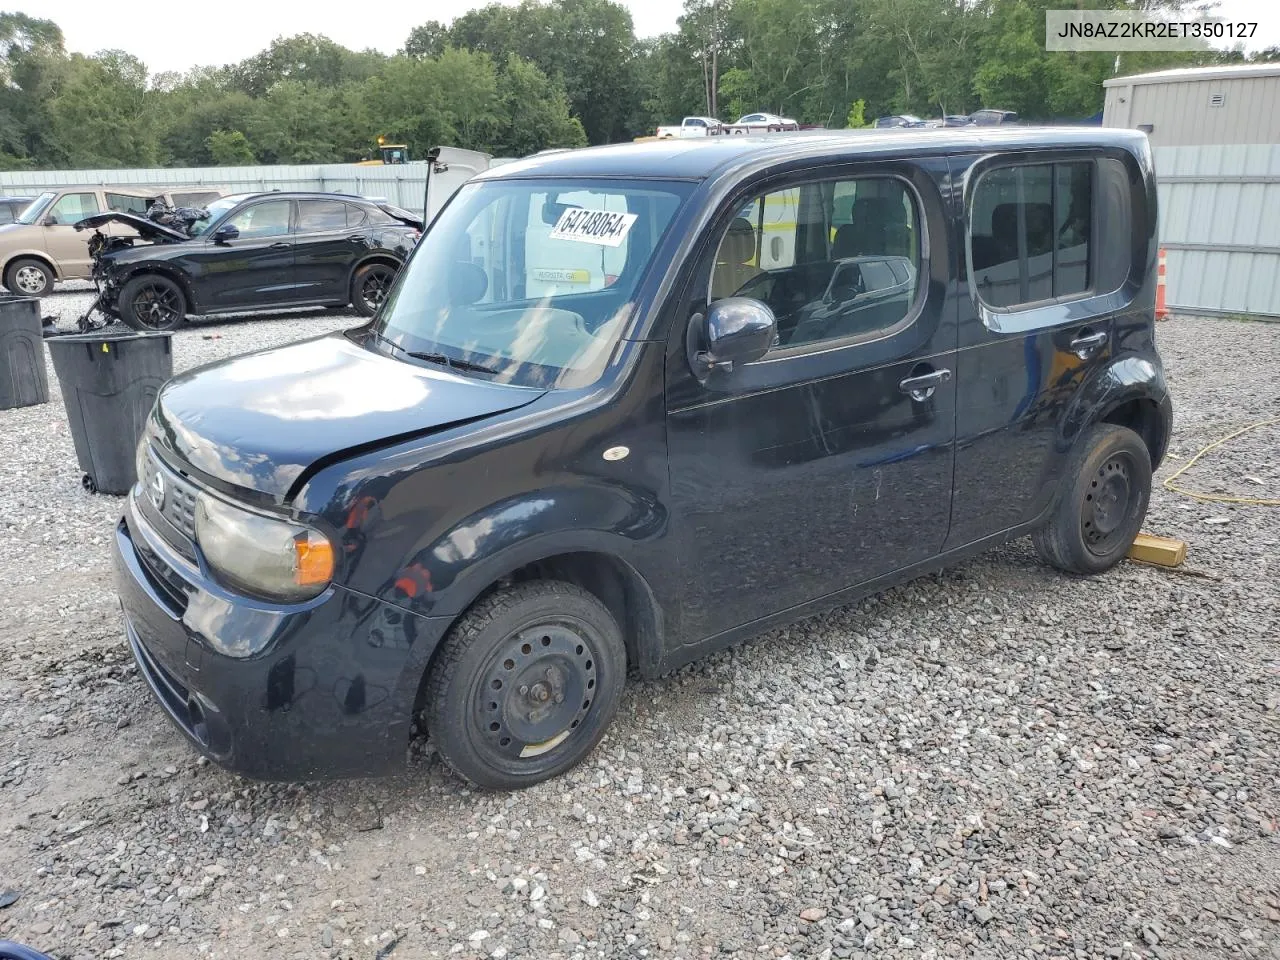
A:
x: 529, y: 282
x: 217, y: 210
x: 36, y: 209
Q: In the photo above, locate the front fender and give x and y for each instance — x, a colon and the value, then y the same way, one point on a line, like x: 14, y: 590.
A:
x: 442, y: 576
x: 1124, y: 379
x: 126, y: 272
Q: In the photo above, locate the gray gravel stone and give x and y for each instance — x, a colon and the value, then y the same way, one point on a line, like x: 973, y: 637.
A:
x: 996, y: 761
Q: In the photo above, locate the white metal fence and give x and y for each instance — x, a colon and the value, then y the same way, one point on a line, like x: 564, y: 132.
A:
x: 1220, y: 223
x: 401, y: 184
x: 1219, y: 210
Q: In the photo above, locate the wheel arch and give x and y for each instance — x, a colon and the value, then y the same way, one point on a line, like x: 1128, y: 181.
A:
x: 1130, y: 392
x: 603, y: 573
x: 40, y: 256
x: 1142, y: 416
x: 374, y: 256
x: 166, y: 271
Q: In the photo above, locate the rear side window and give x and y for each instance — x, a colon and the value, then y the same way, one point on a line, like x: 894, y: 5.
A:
x: 321, y: 216
x: 6, y: 213
x: 124, y: 203
x: 200, y: 198
x: 1031, y: 233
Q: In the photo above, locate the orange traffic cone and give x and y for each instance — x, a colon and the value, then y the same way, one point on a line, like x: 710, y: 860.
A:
x: 1162, y: 311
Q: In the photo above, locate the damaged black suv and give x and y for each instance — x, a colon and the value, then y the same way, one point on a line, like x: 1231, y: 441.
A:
x: 627, y: 405
x: 254, y: 251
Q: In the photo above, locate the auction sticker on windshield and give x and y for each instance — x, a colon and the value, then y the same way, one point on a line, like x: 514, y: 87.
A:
x: 552, y: 275
x: 600, y: 227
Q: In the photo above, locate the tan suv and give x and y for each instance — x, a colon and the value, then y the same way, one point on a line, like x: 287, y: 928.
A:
x: 42, y: 245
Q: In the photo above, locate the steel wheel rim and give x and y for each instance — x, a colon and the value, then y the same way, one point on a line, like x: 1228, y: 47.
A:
x: 157, y: 306
x: 29, y: 279
x: 375, y: 287
x: 535, y: 692
x: 1108, y: 505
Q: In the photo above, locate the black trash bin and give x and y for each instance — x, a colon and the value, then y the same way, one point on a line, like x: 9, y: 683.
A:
x: 22, y: 378
x: 109, y: 382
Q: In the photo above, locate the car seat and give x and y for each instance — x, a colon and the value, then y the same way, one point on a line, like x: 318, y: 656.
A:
x: 733, y: 269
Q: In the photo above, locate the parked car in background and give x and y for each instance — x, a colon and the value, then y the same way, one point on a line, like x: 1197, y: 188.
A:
x: 767, y: 121
x: 991, y: 118
x: 689, y: 127
x: 517, y: 486
x: 257, y: 251
x: 900, y: 120
x: 42, y: 245
x: 951, y: 120
x: 11, y: 207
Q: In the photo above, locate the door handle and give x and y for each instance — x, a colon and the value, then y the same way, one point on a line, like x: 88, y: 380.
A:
x: 1087, y: 344
x: 920, y: 387
x: 359, y: 240
x: 281, y: 246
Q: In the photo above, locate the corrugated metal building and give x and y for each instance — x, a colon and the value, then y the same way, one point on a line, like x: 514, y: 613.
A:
x: 1202, y: 106
x: 1216, y: 134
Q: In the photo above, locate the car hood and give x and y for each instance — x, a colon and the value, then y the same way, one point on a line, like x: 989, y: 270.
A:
x: 147, y: 229
x: 261, y: 420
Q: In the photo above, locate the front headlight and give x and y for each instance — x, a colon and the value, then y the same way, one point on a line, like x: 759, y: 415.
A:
x: 261, y: 556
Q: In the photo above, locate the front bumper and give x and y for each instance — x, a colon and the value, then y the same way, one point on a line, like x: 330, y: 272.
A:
x: 328, y: 691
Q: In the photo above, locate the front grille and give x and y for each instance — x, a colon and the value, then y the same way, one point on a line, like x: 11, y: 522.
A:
x: 168, y: 501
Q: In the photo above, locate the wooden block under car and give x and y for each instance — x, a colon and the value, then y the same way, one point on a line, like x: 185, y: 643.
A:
x: 1164, y: 551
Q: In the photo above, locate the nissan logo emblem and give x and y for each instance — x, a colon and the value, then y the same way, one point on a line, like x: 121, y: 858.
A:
x: 157, y: 490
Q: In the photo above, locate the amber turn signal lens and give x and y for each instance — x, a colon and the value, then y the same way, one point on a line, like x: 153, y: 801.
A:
x: 315, y: 560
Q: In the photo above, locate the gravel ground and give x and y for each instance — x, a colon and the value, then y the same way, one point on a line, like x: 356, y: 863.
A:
x: 995, y: 762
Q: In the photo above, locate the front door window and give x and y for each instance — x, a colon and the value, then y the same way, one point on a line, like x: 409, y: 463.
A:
x: 71, y: 208
x: 267, y: 219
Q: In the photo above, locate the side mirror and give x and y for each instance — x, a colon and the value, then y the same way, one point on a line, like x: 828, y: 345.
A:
x: 225, y: 233
x: 50, y: 221
x: 735, y: 330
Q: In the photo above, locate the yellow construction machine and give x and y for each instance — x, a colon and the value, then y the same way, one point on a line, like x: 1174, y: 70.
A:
x: 387, y: 153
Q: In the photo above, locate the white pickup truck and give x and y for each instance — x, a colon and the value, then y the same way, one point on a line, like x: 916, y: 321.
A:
x: 689, y: 127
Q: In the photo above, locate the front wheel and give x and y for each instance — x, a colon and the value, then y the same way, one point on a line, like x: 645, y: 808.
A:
x: 369, y: 287
x: 1101, y: 506
x: 152, y: 302
x: 525, y: 684
x: 28, y: 277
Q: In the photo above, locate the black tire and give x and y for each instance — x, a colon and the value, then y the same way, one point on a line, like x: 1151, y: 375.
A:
x: 28, y: 277
x: 1101, y: 505
x: 525, y: 684
x: 151, y: 302
x: 370, y: 286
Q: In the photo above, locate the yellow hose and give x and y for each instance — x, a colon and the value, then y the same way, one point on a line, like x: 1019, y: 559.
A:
x: 1213, y: 497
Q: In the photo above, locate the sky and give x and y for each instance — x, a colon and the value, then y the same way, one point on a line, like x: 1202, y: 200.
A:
x: 177, y: 35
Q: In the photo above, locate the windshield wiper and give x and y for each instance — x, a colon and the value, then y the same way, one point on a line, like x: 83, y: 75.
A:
x: 439, y: 358
x: 453, y: 362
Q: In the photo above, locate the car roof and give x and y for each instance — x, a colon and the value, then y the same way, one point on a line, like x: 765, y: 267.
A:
x: 711, y: 157
x: 300, y: 195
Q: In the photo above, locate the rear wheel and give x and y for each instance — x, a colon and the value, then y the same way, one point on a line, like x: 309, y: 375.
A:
x: 1100, y: 509
x: 526, y: 684
x: 369, y: 287
x: 28, y: 277
x: 152, y: 302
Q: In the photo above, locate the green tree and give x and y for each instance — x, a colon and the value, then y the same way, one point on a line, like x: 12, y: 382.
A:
x: 229, y: 148
x: 857, y: 116
x: 306, y: 58
x: 98, y: 115
x: 427, y: 40
x: 533, y: 112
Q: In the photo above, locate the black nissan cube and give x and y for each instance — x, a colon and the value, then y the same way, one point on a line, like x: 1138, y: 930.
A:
x: 627, y: 405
